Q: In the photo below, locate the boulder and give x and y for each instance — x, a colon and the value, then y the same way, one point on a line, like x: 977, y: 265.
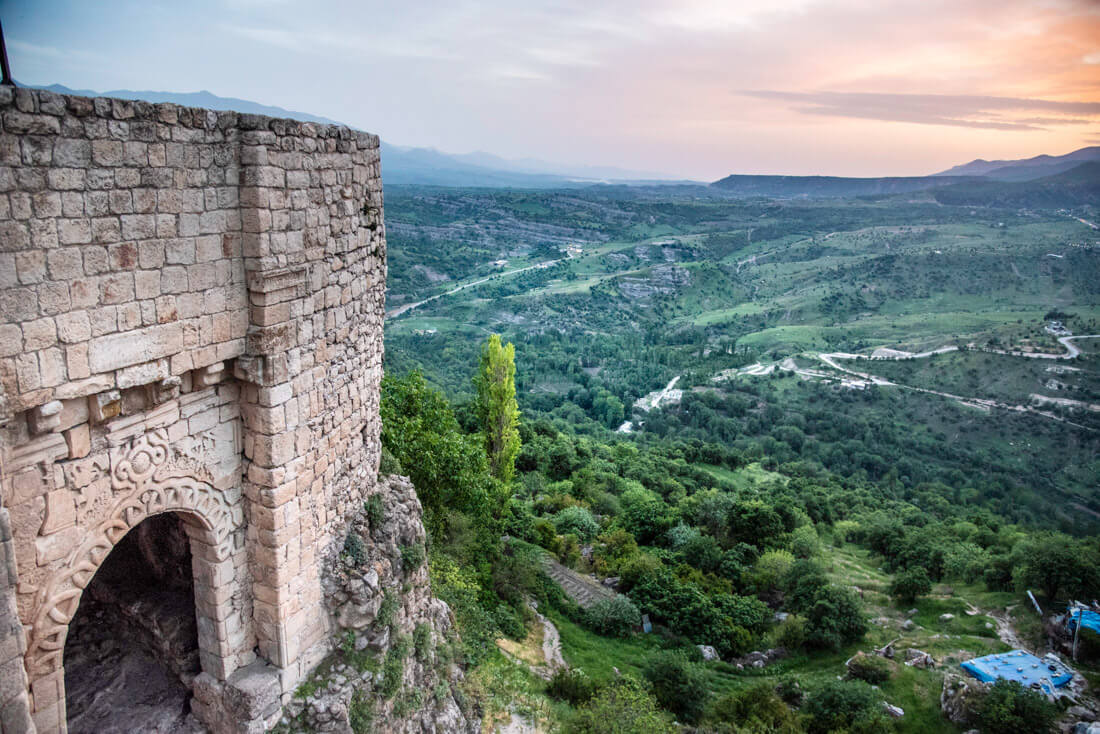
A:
x: 919, y: 658
x: 708, y: 652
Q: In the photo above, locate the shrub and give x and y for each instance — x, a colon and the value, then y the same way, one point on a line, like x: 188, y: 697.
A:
x: 1008, y: 707
x: 355, y: 549
x: 844, y: 529
x: 909, y: 584
x: 804, y: 542
x: 361, y: 712
x: 578, y: 521
x: 376, y: 512
x: 422, y: 642
x: 387, y: 612
x: 754, y: 709
x: 835, y: 618
x: 841, y: 705
x: 790, y: 691
x: 412, y: 556
x: 791, y: 633
x: 547, y: 536
x: 869, y: 668
x: 678, y: 685
x: 770, y: 569
x: 623, y: 706
x: 393, y: 669
x: 510, y: 622
x: 744, y: 611
x: 389, y: 464
x: 614, y: 617
x: 571, y: 686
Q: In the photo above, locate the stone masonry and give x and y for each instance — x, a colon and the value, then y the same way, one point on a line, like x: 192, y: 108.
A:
x: 191, y: 309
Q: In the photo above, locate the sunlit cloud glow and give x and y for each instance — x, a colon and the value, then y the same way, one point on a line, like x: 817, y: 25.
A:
x: 696, y: 88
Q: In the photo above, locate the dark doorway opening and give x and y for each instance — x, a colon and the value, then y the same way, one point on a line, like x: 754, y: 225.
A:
x: 132, y: 653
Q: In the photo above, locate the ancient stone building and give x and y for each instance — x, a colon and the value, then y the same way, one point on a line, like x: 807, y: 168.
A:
x: 191, y: 309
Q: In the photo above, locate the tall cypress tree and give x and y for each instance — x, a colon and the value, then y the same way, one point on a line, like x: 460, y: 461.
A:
x: 497, y: 407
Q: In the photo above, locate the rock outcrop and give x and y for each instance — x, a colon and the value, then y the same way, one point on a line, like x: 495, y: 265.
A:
x: 393, y: 665
x: 959, y: 696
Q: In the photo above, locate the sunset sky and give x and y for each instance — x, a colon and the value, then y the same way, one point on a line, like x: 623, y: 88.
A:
x: 694, y: 88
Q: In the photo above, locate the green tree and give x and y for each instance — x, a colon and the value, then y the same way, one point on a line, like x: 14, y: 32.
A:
x: 497, y: 407
x: 679, y: 685
x: 1058, y: 565
x: 756, y: 709
x: 622, y: 707
x: 844, y: 706
x: 576, y: 520
x: 447, y: 466
x: 1008, y: 707
x: 835, y: 617
x: 909, y: 584
x: 615, y: 617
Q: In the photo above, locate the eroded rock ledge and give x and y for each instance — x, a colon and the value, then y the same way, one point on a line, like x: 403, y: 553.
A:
x: 393, y: 665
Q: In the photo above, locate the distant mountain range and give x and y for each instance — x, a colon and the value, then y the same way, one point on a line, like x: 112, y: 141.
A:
x: 1042, y: 181
x: 1035, y: 179
x: 830, y: 186
x: 1026, y: 169
x: 406, y: 165
x: 204, y: 99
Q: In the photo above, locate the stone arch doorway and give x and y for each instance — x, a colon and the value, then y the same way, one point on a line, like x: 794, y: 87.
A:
x: 146, y: 485
x: 131, y: 653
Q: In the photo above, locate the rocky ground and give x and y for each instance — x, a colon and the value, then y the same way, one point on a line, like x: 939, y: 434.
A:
x: 114, y: 686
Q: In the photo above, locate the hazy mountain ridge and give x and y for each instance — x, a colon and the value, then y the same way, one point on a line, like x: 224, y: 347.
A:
x: 404, y: 164
x: 204, y: 99
x: 829, y: 186
x: 1026, y: 168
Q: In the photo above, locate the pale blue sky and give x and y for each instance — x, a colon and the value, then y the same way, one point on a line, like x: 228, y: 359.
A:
x: 697, y: 88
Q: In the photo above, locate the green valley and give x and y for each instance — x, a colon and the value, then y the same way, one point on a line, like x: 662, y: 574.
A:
x: 752, y: 418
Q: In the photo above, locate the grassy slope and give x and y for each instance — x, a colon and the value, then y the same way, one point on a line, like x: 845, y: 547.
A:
x: 916, y: 691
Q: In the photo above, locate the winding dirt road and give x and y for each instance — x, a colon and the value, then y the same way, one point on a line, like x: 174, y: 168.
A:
x: 1072, y: 352
x: 410, y: 306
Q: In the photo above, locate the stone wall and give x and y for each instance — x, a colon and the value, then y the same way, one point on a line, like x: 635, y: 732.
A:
x: 191, y: 311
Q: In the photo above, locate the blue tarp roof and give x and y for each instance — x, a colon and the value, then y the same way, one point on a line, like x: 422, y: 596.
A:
x: 1089, y: 620
x: 1019, y: 666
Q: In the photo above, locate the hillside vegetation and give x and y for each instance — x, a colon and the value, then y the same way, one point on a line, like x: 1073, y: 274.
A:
x: 852, y: 452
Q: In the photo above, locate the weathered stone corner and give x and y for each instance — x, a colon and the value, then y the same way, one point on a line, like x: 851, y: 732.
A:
x: 192, y: 307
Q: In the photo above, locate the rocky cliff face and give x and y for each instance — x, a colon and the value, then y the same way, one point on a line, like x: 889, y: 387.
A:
x: 392, y: 668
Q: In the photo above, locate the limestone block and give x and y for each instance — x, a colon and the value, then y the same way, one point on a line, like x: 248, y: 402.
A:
x: 104, y: 406
x: 143, y: 374
x: 165, y: 390
x: 79, y: 441
x: 209, y: 375
x: 45, y: 418
x: 115, y: 351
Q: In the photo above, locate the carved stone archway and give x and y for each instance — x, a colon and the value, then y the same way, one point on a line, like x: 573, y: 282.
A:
x: 145, y: 483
